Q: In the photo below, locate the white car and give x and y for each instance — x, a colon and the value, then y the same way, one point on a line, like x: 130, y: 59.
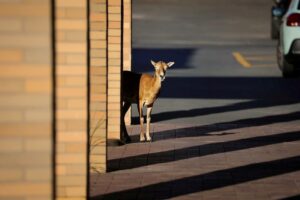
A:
x: 288, y: 50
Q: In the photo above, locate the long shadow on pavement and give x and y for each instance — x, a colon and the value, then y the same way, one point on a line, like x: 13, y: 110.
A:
x: 296, y: 197
x: 200, y: 150
x: 179, y: 114
x: 271, y: 88
x: 212, y: 180
x: 206, y: 129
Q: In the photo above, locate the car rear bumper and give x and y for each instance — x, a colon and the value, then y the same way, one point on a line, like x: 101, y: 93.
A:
x: 289, y: 36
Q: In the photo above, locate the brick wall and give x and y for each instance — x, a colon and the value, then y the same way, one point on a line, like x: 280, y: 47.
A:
x: 98, y: 85
x: 114, y: 69
x: 105, y: 57
x: 86, y: 94
x: 25, y: 100
x: 71, y: 99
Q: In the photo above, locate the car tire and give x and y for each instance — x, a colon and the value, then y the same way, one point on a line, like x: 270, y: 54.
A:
x: 287, y: 68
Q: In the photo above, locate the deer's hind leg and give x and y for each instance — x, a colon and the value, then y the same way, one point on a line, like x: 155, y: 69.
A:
x: 124, y: 134
x: 140, y: 109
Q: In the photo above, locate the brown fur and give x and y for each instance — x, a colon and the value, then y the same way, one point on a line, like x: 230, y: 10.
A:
x: 142, y: 89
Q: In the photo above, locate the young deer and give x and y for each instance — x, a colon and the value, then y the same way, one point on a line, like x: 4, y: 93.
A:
x: 142, y: 89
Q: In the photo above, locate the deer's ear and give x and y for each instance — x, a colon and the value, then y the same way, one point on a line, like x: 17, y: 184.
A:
x: 153, y: 63
x: 170, y: 64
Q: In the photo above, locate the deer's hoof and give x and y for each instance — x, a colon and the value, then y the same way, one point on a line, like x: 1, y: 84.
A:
x: 142, y: 139
x: 149, y: 139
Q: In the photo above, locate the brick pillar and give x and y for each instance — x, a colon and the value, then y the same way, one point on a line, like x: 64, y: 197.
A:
x: 98, y: 85
x: 127, y: 45
x: 71, y: 99
x: 114, y: 69
x: 26, y: 110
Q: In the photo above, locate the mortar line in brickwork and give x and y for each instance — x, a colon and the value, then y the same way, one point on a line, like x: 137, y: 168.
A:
x: 53, y: 65
x: 88, y: 98
x: 121, y: 57
x: 106, y: 113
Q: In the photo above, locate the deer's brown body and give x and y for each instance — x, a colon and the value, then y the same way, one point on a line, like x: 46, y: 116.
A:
x: 142, y: 89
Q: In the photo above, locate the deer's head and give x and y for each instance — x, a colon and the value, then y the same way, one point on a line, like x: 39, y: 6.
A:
x: 161, y: 68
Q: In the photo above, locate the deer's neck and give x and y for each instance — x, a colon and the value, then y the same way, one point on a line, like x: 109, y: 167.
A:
x: 157, y: 81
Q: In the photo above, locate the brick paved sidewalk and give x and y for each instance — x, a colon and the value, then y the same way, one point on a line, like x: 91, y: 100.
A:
x: 222, y: 161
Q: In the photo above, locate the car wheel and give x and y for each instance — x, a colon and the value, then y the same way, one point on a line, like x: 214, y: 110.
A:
x: 287, y: 68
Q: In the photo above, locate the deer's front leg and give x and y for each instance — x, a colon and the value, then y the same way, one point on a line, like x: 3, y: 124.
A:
x: 149, y: 109
x: 140, y: 108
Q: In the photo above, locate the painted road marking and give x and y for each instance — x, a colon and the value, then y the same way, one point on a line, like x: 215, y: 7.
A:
x: 241, y: 59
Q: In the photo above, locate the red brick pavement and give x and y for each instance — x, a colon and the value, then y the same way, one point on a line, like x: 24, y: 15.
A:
x: 222, y: 161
